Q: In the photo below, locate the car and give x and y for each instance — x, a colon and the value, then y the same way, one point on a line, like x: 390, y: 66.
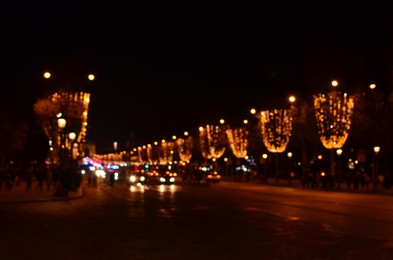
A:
x: 168, y: 177
x: 213, y: 177
x: 137, y: 179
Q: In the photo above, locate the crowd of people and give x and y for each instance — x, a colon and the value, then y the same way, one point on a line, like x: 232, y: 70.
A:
x: 60, y: 179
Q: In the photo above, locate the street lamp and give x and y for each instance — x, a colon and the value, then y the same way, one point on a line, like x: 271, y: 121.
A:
x: 339, y: 152
x: 377, y: 149
x: 61, y: 124
x: 72, y: 137
x: 289, y: 154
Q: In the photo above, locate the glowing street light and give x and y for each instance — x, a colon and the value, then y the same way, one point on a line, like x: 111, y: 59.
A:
x: 377, y: 149
x: 339, y: 153
x: 290, y: 174
x: 47, y: 75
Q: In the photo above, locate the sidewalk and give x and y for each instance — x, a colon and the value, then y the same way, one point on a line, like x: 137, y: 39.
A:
x: 297, y: 183
x: 18, y: 194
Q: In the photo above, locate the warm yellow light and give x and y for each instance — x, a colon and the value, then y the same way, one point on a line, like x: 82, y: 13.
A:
x: 222, y: 121
x: 211, y: 140
x: 253, y: 111
x: 292, y: 99
x: 174, y: 137
x: 185, y: 133
x: 47, y: 75
x: 61, y: 122
x: 91, y: 77
x: 319, y: 157
x: 377, y: 149
x: 339, y: 151
x: 373, y: 86
x: 334, y: 83
x: 264, y: 156
x: 289, y: 154
x: 72, y: 136
x: 245, y: 121
x: 238, y: 141
x: 333, y: 113
x: 276, y: 126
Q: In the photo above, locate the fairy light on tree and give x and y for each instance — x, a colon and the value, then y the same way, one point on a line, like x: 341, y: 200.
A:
x: 185, y: 147
x: 75, y: 105
x: 166, y: 152
x: 71, y: 101
x: 142, y: 154
x: 276, y: 128
x: 238, y: 141
x: 212, y: 140
x: 153, y: 153
x: 333, y: 115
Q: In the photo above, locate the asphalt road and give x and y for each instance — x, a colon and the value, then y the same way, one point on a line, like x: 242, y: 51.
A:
x: 221, y: 221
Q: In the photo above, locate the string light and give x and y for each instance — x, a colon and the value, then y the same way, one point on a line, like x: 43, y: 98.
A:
x: 185, y: 146
x: 212, y: 140
x: 333, y: 114
x: 238, y: 141
x: 276, y: 127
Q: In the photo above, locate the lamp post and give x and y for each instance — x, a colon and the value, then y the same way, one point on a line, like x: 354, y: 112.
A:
x: 61, y: 124
x: 73, y: 146
x: 377, y: 149
x: 289, y: 154
x: 339, y: 152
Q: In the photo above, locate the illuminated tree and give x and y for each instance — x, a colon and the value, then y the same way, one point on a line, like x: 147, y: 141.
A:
x: 238, y: 141
x: 74, y: 105
x: 333, y: 114
x: 276, y: 127
x: 212, y: 141
x: 184, y: 148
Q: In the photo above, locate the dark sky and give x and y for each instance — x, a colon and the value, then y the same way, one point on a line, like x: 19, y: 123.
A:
x: 164, y: 68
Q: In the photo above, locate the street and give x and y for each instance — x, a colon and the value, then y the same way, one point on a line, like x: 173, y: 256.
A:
x: 229, y: 220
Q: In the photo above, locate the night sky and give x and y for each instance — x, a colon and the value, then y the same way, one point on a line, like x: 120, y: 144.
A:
x: 165, y: 68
